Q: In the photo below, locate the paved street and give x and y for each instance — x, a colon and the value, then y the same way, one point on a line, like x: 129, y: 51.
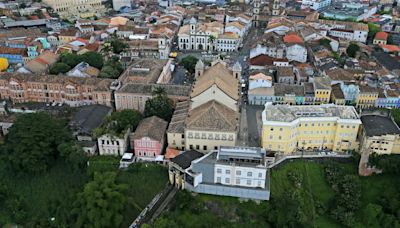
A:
x: 254, y: 124
x: 178, y: 76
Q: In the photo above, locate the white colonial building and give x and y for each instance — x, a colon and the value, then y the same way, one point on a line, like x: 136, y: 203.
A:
x: 315, y: 4
x: 113, y: 145
x: 352, y: 31
x: 230, y: 171
x: 210, y: 36
x: 296, y: 52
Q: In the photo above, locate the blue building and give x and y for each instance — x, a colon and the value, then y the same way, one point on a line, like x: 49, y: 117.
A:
x: 13, y: 55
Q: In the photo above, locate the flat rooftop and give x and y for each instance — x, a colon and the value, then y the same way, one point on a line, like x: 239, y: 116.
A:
x: 289, y: 113
x: 376, y: 125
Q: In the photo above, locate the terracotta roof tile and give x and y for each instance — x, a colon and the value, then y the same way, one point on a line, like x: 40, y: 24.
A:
x: 381, y: 36
x: 152, y: 127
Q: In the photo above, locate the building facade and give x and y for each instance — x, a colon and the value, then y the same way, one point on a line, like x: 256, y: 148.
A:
x: 73, y: 91
x: 149, y: 138
x: 287, y: 129
x: 113, y: 145
x: 230, y: 171
x: 380, y: 134
x: 80, y: 8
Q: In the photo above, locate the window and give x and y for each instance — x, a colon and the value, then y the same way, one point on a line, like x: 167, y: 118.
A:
x: 259, y: 175
x: 227, y: 171
x: 238, y: 172
x: 237, y: 181
x: 227, y: 180
x: 218, y: 179
x: 280, y: 129
x: 248, y: 182
x: 249, y: 174
x: 204, y: 147
x: 219, y: 171
x: 197, y: 147
x: 191, y: 147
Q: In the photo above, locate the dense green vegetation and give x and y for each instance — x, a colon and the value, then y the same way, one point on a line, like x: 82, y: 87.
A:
x: 45, y: 181
x: 160, y: 105
x: 189, y: 63
x: 352, y: 50
x: 303, y: 194
x: 110, y: 68
x: 396, y: 115
x: 119, y: 122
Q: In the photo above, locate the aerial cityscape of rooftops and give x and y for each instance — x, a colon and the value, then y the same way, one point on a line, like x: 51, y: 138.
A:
x: 199, y: 113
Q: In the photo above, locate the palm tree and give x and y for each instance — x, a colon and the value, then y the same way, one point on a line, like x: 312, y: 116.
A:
x: 211, y: 38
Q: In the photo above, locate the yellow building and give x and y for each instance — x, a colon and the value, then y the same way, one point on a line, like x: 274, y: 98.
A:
x: 380, y: 134
x: 289, y: 128
x: 322, y: 87
x: 366, y: 97
x: 79, y: 8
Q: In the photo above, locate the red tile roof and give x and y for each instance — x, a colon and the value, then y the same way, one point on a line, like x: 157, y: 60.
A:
x: 292, y: 38
x: 171, y: 153
x: 264, y: 60
x: 390, y: 48
x: 381, y: 36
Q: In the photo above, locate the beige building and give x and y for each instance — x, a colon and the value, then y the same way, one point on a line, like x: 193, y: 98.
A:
x: 211, y: 118
x: 78, y: 8
x: 210, y: 126
x: 380, y: 134
x: 176, y: 128
x: 218, y: 83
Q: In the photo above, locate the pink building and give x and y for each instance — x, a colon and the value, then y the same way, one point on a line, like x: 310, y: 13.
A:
x: 149, y: 138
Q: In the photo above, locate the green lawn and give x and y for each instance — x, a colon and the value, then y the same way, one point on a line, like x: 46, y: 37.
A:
x: 315, y: 198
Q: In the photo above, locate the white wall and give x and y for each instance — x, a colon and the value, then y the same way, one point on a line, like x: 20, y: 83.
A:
x: 216, y: 94
x: 240, y: 176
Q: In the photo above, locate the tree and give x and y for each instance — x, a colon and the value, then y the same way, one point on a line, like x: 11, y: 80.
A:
x: 372, y: 30
x: 118, y: 46
x: 371, y: 214
x: 58, y: 68
x: 31, y: 145
x: 94, y: 59
x: 160, y: 105
x: 101, y: 203
x: 211, y: 38
x: 352, y: 50
x: 390, y: 39
x: 13, y: 203
x: 111, y: 69
x: 73, y: 155
x: 159, y: 91
x: 126, y: 118
x: 325, y: 42
x: 109, y: 72
x: 70, y: 59
x: 189, y: 63
x: 390, y: 164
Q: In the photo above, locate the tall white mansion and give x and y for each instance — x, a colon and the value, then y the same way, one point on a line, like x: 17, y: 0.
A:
x: 78, y: 8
